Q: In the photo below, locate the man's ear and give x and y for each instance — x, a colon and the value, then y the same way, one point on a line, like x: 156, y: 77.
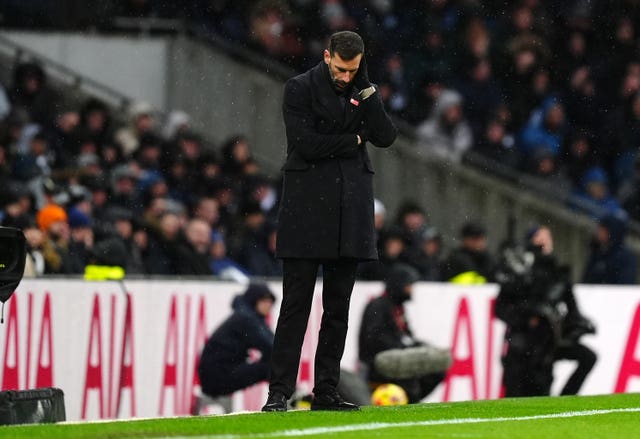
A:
x: 327, y: 57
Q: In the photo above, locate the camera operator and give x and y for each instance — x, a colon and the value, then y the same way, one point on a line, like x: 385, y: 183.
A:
x: 544, y: 324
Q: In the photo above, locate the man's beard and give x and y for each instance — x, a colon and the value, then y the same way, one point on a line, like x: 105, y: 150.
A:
x: 338, y: 86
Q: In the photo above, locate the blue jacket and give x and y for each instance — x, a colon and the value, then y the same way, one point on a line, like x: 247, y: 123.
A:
x: 597, y: 208
x: 536, y: 135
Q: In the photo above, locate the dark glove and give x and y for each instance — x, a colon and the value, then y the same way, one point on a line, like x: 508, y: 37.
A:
x: 361, y: 80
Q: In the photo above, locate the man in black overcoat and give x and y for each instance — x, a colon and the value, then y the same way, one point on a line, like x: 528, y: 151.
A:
x: 326, y: 213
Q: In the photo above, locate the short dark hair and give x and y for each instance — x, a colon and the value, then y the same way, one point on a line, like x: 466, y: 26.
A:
x: 347, y: 44
x: 473, y: 230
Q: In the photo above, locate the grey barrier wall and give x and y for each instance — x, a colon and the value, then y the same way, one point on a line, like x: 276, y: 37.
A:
x: 134, y: 66
x: 226, y: 97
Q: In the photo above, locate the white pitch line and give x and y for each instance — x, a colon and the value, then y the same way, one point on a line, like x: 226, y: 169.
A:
x: 383, y: 425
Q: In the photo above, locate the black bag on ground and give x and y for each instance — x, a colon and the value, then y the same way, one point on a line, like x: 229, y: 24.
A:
x: 36, y: 406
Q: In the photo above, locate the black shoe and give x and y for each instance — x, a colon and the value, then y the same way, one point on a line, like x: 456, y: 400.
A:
x: 276, y: 402
x: 332, y: 401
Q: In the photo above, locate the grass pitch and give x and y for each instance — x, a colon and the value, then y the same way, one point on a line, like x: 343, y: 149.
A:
x: 601, y: 417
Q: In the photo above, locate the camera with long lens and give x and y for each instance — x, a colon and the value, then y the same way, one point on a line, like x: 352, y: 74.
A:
x: 13, y: 252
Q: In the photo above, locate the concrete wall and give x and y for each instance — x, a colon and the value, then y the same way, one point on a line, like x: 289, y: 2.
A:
x: 137, y: 67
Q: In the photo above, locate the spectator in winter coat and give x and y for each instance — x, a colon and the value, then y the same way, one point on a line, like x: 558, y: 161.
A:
x: 133, y: 236
x: 81, y: 239
x: 225, y: 365
x: 31, y: 93
x: 192, y: 250
x: 411, y: 220
x: 470, y: 263
x: 545, y: 128
x: 594, y: 198
x: 496, y: 145
x: 579, y: 155
x: 428, y: 261
x: 611, y: 261
x: 223, y: 266
x: 34, y: 163
x: 53, y: 222
x: 481, y: 94
x: 392, y: 248
x: 141, y: 121
x: 447, y: 133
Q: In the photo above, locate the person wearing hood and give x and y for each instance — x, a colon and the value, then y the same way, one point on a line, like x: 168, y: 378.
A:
x: 610, y: 261
x: 446, y: 132
x: 388, y: 350
x: 545, y: 128
x: 594, y: 196
x: 31, y: 93
x: 225, y: 364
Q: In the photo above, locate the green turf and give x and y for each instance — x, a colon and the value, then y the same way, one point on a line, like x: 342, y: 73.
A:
x: 420, y: 420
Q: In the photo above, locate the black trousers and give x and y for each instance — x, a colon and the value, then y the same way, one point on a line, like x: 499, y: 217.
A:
x: 528, y: 362
x: 218, y: 379
x: 586, y: 359
x: 299, y: 279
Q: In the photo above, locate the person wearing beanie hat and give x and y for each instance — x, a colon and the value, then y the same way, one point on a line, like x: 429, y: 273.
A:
x: 224, y: 365
x: 81, y: 240
x: 53, y: 222
x: 49, y: 215
x: 388, y: 350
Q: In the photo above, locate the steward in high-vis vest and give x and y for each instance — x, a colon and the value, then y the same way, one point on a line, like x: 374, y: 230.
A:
x: 106, y: 261
x: 470, y: 263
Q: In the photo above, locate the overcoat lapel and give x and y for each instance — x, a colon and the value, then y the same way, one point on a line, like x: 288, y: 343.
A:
x: 327, y: 98
x: 326, y: 95
x: 353, y: 107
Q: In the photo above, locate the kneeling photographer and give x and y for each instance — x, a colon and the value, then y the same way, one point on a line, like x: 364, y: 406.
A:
x: 544, y: 325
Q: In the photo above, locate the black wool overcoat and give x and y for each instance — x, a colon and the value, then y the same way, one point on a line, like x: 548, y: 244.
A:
x: 326, y: 211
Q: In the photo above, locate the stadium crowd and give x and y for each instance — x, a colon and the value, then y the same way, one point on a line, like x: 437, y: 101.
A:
x: 550, y: 89
x: 148, y: 194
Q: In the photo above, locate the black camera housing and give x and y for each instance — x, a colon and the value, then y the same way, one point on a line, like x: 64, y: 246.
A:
x: 13, y: 252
